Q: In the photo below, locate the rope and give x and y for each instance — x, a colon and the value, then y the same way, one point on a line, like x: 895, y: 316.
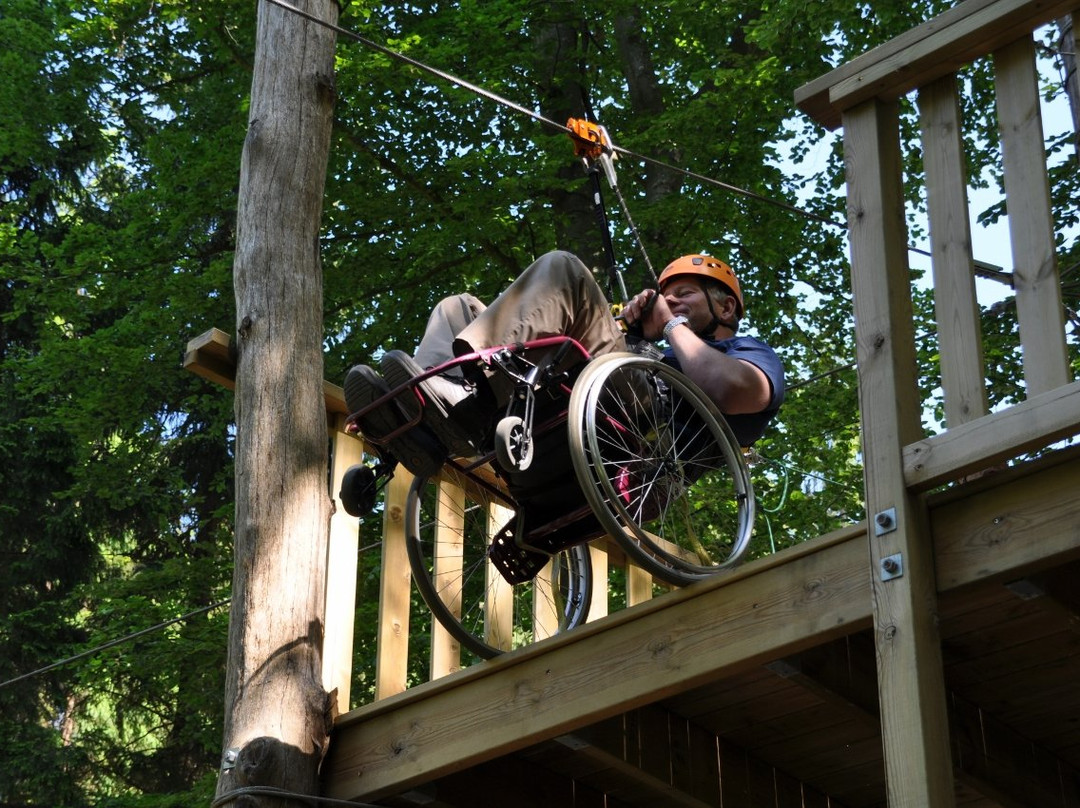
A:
x: 491, y: 96
x: 137, y: 634
x: 118, y: 641
x: 434, y: 71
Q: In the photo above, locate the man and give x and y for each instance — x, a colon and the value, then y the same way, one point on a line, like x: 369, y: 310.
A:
x: 696, y: 311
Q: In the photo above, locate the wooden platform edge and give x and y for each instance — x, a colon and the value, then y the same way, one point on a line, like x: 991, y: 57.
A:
x: 936, y: 48
x: 212, y: 355
x: 977, y: 445
x: 774, y: 607
x: 545, y: 690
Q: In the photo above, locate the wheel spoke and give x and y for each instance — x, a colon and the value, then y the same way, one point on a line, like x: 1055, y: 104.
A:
x: 450, y: 523
x: 665, y: 476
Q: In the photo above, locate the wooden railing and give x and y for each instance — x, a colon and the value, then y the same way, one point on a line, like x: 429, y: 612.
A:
x: 211, y: 356
x: 900, y: 462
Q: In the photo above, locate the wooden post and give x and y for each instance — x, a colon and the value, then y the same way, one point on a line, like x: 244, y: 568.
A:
x: 959, y: 333
x: 449, y: 564
x: 395, y: 582
x: 545, y: 614
x: 639, y: 584
x: 277, y: 713
x: 499, y: 613
x: 598, y: 605
x: 341, y: 558
x: 1031, y: 228
x: 910, y: 678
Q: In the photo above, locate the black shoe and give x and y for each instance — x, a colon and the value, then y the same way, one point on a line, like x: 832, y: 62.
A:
x: 417, y: 449
x: 451, y: 407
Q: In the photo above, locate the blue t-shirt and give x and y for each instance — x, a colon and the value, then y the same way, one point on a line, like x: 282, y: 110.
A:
x: 748, y: 427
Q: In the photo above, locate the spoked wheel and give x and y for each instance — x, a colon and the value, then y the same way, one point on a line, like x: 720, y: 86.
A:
x: 449, y: 524
x: 660, y: 467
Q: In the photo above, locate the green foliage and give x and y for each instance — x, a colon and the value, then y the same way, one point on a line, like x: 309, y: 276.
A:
x: 121, y: 128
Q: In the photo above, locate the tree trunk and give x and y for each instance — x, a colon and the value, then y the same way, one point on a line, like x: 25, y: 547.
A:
x: 277, y: 719
x: 647, y: 101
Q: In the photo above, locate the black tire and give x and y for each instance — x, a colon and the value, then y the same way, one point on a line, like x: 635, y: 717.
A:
x: 358, y: 490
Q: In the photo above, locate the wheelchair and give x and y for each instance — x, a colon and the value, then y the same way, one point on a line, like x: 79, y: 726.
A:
x: 620, y: 446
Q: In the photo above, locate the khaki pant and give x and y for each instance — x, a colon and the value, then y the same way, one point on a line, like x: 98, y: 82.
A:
x: 555, y: 296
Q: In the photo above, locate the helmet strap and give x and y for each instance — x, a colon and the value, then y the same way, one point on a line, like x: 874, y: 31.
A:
x: 709, y: 331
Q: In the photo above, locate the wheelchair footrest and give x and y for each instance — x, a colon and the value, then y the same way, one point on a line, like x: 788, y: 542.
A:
x: 516, y: 564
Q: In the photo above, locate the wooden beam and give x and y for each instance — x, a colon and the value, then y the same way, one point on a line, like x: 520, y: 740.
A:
x: 212, y: 355
x: 912, y: 696
x: 758, y: 612
x: 1003, y: 532
x: 636, y: 749
x: 660, y: 758
x: 922, y: 54
x: 957, y: 311
x: 837, y: 697
x: 509, y: 781
x: 985, y: 442
x: 1031, y: 224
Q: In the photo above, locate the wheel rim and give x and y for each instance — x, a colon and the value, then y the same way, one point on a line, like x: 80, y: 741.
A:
x: 664, y: 473
x: 510, y: 451
x: 449, y: 523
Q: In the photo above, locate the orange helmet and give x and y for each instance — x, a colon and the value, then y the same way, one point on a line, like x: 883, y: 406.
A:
x: 705, y: 266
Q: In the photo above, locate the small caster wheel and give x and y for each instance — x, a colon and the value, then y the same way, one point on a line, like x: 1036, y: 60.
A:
x: 358, y: 491
x: 513, y: 449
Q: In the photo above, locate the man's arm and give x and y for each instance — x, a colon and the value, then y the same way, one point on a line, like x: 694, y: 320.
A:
x: 735, y: 386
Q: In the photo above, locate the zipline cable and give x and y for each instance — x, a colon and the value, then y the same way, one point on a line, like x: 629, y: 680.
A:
x: 127, y: 638
x: 434, y: 71
x: 498, y: 99
x: 117, y: 641
x: 982, y: 268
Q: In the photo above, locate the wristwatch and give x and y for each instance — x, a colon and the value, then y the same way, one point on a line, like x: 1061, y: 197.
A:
x: 672, y: 324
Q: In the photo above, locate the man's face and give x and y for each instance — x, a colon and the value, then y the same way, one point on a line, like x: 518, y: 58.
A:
x: 686, y: 297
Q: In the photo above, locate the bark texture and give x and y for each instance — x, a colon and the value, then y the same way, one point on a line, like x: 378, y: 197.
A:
x: 277, y: 717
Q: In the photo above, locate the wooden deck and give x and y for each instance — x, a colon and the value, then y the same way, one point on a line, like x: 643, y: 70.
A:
x: 760, y: 688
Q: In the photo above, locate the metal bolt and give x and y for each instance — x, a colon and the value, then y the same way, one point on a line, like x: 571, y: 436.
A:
x: 892, y: 567
x: 885, y: 521
x: 231, y: 756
